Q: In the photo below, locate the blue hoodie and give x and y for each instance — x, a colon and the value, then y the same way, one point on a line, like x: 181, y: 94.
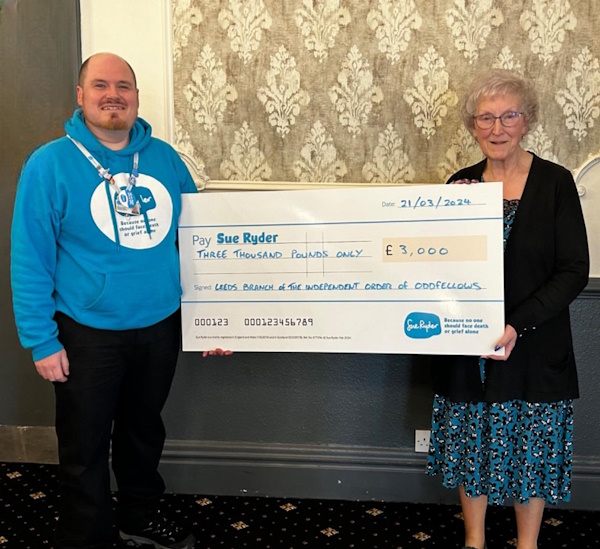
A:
x: 74, y: 252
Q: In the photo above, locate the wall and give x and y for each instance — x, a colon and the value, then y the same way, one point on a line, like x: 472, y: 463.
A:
x: 276, y: 424
x: 372, y: 89
x: 39, y: 45
x: 139, y: 31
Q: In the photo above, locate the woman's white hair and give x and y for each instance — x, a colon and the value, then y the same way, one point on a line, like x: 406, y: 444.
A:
x: 500, y: 82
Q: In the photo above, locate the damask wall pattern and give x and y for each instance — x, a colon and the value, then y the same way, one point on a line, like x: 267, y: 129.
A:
x: 369, y: 90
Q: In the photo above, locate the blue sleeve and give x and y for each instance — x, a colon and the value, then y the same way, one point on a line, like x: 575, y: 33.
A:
x: 35, y: 228
x: 186, y: 182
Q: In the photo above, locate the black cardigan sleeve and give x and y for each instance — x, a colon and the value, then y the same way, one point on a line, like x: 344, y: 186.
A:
x: 568, y: 269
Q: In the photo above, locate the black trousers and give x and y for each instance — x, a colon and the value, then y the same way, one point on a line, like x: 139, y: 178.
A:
x: 117, y: 387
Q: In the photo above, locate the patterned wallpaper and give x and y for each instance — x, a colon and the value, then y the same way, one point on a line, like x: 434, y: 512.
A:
x: 369, y: 90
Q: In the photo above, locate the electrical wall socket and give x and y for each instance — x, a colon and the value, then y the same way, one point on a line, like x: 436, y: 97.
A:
x: 422, y: 440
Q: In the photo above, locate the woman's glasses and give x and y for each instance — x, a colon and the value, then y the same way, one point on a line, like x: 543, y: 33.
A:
x: 507, y: 119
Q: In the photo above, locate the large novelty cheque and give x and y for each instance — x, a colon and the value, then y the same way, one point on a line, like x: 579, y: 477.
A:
x: 399, y: 269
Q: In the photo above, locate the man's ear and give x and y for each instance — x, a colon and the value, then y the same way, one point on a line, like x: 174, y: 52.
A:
x: 79, y: 95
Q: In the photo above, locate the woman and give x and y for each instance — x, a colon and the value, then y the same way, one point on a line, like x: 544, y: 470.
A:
x: 502, y: 426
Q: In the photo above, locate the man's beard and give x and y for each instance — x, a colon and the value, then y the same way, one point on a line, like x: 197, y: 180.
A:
x: 115, y: 123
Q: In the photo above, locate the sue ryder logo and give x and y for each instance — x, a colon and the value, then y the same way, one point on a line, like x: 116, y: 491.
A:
x: 422, y: 325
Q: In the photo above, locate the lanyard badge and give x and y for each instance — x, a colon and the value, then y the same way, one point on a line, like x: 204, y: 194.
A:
x: 125, y: 202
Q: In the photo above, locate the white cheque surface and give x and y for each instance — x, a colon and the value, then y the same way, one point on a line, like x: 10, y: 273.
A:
x: 406, y: 269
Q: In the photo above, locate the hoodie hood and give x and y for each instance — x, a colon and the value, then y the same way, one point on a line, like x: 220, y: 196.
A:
x: 139, y: 135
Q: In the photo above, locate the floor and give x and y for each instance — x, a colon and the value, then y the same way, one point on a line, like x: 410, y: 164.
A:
x: 28, y: 515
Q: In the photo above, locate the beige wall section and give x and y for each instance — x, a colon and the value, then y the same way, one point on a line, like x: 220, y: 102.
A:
x: 139, y: 31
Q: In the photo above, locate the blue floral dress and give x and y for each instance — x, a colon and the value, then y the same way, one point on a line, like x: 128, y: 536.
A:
x: 513, y: 449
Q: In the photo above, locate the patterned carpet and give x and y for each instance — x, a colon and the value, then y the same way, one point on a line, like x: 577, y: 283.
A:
x: 28, y: 515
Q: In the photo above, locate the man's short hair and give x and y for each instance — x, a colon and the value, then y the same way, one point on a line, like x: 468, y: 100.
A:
x: 84, y: 67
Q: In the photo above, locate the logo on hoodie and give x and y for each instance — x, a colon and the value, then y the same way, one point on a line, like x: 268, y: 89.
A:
x: 130, y: 215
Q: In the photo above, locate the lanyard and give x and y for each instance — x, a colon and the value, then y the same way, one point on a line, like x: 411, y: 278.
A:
x: 125, y: 197
x: 103, y: 172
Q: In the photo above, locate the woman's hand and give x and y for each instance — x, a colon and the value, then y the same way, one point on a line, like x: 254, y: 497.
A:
x: 216, y: 351
x: 508, y: 341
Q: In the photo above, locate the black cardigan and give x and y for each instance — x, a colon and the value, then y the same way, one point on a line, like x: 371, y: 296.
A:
x: 546, y: 265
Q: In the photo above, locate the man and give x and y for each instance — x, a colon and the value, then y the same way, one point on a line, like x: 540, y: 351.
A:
x: 95, y: 277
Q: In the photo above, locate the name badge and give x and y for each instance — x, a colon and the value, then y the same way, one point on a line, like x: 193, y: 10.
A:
x: 126, y: 204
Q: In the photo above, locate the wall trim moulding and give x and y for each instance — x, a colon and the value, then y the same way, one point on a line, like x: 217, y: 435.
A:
x: 326, y: 472
x: 587, y: 179
x: 299, y: 471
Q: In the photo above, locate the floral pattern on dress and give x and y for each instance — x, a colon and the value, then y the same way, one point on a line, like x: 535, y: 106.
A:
x: 513, y: 449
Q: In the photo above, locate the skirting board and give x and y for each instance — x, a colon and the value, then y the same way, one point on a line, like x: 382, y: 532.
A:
x: 278, y: 470
x: 345, y: 473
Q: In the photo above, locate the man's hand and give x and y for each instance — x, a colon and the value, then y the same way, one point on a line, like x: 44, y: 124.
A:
x: 216, y: 351
x: 54, y: 367
x: 508, y: 341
